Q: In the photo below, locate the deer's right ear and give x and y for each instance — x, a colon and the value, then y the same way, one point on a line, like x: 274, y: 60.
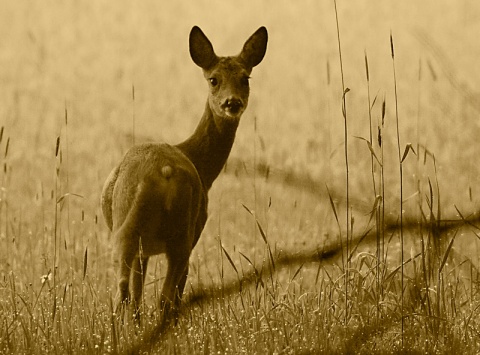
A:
x: 201, y: 50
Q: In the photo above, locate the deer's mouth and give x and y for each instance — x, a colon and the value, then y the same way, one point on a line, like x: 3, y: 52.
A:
x: 233, y: 113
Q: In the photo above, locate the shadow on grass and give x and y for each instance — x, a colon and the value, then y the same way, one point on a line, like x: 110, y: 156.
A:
x: 327, y: 254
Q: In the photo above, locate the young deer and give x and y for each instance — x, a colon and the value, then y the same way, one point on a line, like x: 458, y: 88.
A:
x: 155, y: 200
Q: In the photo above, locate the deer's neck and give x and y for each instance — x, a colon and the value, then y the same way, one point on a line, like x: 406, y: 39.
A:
x: 209, y: 146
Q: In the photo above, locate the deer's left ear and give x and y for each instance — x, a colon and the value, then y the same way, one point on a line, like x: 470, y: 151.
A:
x: 254, y: 48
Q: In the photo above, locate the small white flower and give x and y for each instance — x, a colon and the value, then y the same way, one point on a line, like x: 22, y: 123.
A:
x: 46, y: 277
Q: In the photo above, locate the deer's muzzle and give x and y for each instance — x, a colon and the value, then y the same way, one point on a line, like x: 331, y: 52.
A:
x: 233, y: 107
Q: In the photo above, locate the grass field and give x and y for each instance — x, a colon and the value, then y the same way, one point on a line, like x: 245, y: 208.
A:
x: 282, y: 267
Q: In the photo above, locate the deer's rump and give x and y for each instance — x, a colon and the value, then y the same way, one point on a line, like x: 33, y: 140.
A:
x: 156, y: 194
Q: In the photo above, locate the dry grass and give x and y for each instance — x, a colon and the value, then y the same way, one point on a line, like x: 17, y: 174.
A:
x: 67, y: 70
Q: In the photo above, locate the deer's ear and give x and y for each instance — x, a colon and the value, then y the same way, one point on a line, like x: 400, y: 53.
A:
x: 201, y: 50
x: 254, y: 48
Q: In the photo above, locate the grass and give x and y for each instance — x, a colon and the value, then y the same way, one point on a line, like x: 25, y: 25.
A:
x: 80, y: 84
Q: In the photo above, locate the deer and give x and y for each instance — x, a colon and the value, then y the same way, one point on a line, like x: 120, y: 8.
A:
x: 155, y: 200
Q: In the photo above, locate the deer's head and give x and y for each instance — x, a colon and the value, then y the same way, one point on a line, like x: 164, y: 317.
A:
x: 228, y: 77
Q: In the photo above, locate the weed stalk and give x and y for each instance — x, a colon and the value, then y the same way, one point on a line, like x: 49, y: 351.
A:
x: 344, y: 112
x: 133, y: 115
x: 377, y: 198
x: 400, y: 160
x: 56, y: 226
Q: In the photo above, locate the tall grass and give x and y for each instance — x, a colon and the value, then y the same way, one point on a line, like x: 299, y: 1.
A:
x: 298, y: 278
x: 348, y: 225
x: 400, y: 165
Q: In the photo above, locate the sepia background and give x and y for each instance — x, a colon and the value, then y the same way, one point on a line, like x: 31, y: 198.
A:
x: 80, y: 82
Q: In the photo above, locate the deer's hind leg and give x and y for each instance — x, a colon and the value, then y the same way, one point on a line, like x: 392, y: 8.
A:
x: 127, y: 239
x: 139, y: 272
x: 199, y: 224
x: 126, y: 255
x: 174, y: 283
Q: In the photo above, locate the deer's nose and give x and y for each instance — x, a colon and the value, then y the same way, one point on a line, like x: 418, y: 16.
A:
x: 233, y: 105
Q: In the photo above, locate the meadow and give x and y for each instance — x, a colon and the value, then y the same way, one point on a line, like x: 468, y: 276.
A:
x: 323, y: 236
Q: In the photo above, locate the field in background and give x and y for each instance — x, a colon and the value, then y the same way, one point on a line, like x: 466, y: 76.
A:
x: 67, y: 74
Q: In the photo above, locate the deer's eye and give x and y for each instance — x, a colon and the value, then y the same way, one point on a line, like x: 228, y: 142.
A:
x: 213, y: 81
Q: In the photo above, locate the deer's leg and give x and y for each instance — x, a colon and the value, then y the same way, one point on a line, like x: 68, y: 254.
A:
x: 180, y: 289
x: 127, y: 250
x: 174, y: 281
x: 139, y: 272
x: 179, y: 294
x: 183, y: 280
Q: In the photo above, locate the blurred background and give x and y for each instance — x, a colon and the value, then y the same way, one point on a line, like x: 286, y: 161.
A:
x: 69, y: 68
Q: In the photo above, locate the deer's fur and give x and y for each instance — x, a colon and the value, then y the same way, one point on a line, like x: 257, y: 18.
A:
x: 155, y: 200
